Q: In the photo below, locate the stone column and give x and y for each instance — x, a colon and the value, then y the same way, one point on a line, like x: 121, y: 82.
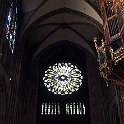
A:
x: 95, y: 97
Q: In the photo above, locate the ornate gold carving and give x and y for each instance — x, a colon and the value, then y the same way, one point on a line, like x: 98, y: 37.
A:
x: 106, y: 65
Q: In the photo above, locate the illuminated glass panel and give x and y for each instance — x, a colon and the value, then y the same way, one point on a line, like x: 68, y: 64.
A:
x: 70, y: 109
x: 11, y: 26
x: 75, y: 108
x: 49, y: 112
x: 84, y: 111
x: 63, y: 78
x: 58, y: 108
x: 50, y: 109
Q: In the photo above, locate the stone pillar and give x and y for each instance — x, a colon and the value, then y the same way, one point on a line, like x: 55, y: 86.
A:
x: 120, y: 103
x: 95, y: 97
x: 27, y: 94
x: 4, y: 95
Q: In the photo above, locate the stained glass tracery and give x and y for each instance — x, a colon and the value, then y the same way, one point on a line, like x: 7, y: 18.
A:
x: 63, y: 78
x: 11, y: 26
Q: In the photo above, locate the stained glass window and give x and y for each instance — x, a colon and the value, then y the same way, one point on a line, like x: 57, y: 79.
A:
x: 11, y: 26
x: 63, y: 78
x: 75, y: 108
x: 50, y: 109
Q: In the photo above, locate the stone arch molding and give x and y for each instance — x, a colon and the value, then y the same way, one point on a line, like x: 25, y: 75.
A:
x: 44, y: 31
x: 51, y: 5
x: 61, y: 35
x: 52, y: 14
x: 82, y: 24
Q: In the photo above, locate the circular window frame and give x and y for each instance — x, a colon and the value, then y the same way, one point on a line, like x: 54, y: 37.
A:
x: 63, y: 78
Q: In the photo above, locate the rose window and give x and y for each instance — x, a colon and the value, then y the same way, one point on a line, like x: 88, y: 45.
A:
x: 62, y: 78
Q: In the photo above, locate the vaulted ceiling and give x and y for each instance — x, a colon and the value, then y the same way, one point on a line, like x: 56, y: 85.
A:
x: 47, y: 22
x: 29, y: 5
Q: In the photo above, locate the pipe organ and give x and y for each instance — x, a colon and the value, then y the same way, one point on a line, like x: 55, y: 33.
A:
x: 111, y: 48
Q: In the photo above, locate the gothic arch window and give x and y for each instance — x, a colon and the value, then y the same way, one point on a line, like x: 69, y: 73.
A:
x: 63, y: 86
x: 62, y: 79
x: 10, y: 11
x: 11, y: 26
